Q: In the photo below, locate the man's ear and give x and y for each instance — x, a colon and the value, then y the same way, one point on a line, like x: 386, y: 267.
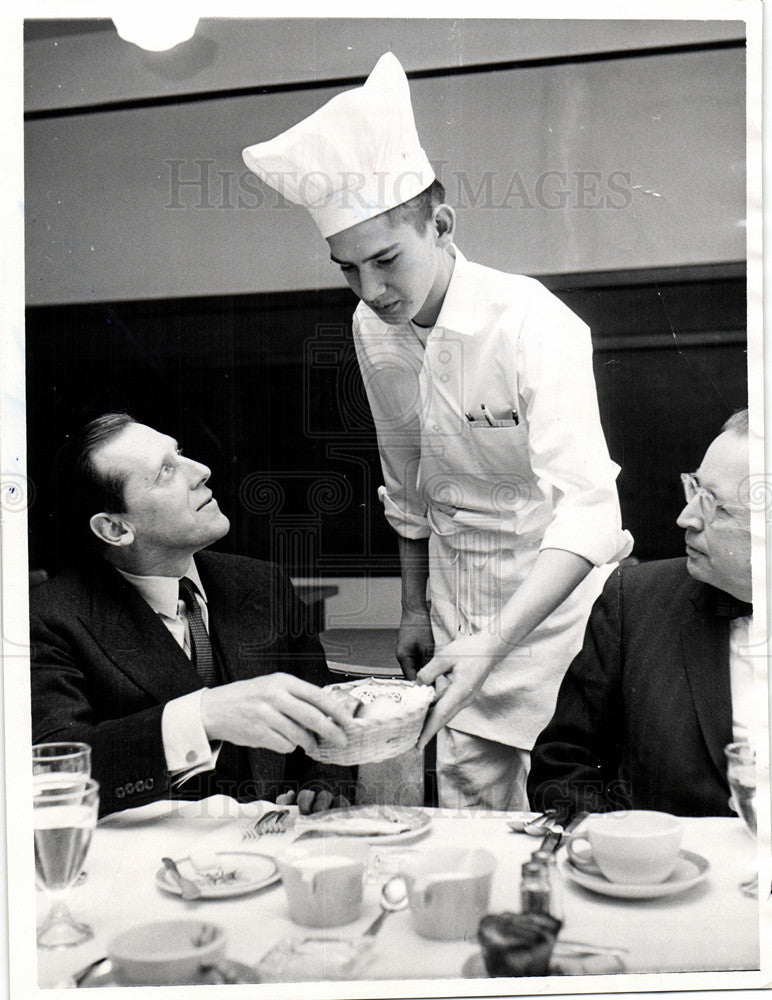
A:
x: 445, y: 224
x: 111, y: 529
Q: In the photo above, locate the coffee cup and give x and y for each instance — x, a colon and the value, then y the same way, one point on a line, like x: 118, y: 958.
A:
x: 323, y: 880
x: 636, y: 847
x: 166, y: 953
x: 449, y: 891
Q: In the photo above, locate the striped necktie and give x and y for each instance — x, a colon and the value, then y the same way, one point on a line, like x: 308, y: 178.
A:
x: 201, y: 652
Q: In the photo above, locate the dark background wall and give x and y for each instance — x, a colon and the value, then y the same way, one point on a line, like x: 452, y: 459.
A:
x: 607, y: 156
x: 265, y: 389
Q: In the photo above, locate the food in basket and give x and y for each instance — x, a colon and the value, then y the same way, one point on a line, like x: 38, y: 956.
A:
x: 381, y: 707
x: 386, y: 723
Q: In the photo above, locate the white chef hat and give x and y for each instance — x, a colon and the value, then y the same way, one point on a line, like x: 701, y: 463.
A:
x: 357, y: 156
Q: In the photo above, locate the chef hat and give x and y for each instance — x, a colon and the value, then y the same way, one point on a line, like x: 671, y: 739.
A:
x: 357, y: 156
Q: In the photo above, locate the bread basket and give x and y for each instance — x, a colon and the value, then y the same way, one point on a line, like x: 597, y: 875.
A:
x: 374, y: 739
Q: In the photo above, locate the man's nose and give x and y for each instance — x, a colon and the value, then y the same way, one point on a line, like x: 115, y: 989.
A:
x: 198, y: 473
x: 373, y: 286
x: 691, y: 516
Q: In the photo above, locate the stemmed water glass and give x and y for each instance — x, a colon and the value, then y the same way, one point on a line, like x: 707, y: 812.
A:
x: 64, y: 820
x: 61, y: 765
x: 741, y: 774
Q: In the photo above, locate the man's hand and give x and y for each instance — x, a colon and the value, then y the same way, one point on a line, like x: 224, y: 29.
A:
x: 457, y: 672
x: 277, y: 711
x: 309, y: 801
x: 415, y: 644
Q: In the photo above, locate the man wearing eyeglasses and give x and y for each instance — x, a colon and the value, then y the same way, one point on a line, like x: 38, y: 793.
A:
x: 664, y: 679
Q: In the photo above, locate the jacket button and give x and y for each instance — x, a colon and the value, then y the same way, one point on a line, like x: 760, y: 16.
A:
x: 129, y: 788
x: 149, y: 784
x: 119, y: 792
x: 139, y: 786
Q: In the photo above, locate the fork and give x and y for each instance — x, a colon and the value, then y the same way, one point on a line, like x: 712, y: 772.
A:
x: 274, y: 821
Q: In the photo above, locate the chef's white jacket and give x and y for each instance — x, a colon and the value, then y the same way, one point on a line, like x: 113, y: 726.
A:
x: 490, y: 497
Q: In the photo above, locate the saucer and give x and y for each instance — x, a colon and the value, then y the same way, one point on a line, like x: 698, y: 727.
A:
x: 102, y: 975
x: 690, y: 869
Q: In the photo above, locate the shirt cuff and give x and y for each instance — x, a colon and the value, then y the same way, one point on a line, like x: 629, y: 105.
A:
x: 404, y: 522
x: 186, y: 746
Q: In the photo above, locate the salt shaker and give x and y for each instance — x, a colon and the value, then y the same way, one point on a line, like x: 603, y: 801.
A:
x: 540, y: 888
x: 535, y: 887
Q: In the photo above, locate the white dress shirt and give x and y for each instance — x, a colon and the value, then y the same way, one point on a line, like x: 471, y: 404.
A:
x: 741, y: 678
x: 186, y: 747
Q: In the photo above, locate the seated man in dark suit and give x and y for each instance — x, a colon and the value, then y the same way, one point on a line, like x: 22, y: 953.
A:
x: 664, y: 679
x: 187, y: 676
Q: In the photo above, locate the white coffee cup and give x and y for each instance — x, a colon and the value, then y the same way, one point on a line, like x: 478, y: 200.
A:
x: 166, y: 953
x: 449, y: 891
x: 323, y: 880
x: 636, y: 847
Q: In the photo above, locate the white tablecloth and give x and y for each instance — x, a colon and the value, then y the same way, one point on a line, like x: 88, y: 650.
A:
x: 709, y: 927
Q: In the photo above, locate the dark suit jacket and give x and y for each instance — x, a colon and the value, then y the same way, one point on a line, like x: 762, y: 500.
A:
x: 104, y: 666
x: 645, y: 709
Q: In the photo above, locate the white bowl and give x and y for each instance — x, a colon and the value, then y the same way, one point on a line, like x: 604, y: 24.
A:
x: 166, y: 953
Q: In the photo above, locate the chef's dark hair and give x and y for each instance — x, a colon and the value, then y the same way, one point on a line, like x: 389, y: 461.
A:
x: 418, y: 211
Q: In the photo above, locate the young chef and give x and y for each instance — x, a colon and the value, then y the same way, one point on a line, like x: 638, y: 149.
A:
x: 497, y: 478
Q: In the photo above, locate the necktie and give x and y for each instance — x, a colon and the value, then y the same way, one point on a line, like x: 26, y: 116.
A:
x: 202, y: 655
x: 727, y: 606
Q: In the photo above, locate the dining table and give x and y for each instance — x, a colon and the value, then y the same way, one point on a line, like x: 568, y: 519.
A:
x: 709, y: 927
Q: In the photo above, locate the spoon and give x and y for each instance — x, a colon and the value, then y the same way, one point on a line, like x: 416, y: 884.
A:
x: 536, y: 826
x: 393, y: 898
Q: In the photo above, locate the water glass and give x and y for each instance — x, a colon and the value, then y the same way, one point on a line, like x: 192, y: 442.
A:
x: 64, y: 821
x: 60, y: 764
x: 741, y: 775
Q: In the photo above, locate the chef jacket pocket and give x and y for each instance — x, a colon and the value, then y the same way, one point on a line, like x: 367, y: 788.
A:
x: 483, y: 425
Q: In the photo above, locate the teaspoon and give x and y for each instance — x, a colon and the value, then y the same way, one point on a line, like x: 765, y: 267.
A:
x: 393, y: 898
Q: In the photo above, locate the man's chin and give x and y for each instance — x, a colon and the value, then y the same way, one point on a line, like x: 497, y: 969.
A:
x: 695, y: 566
x: 219, y: 529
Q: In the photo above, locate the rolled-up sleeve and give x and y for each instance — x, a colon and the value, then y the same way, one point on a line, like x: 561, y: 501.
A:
x: 391, y: 373
x: 567, y: 446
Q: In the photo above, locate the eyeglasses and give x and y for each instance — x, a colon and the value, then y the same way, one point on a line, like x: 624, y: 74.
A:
x: 707, y: 503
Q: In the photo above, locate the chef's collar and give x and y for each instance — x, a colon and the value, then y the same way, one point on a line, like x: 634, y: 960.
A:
x: 457, y: 310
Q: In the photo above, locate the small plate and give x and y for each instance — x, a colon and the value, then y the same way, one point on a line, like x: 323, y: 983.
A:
x: 353, y: 821
x: 252, y: 872
x: 560, y: 965
x: 690, y: 869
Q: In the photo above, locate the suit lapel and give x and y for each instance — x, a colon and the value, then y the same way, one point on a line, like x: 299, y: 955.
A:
x: 240, y: 618
x: 705, y: 652
x: 243, y: 626
x: 133, y: 637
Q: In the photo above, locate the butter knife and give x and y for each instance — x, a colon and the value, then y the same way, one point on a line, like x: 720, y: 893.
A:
x: 188, y: 888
